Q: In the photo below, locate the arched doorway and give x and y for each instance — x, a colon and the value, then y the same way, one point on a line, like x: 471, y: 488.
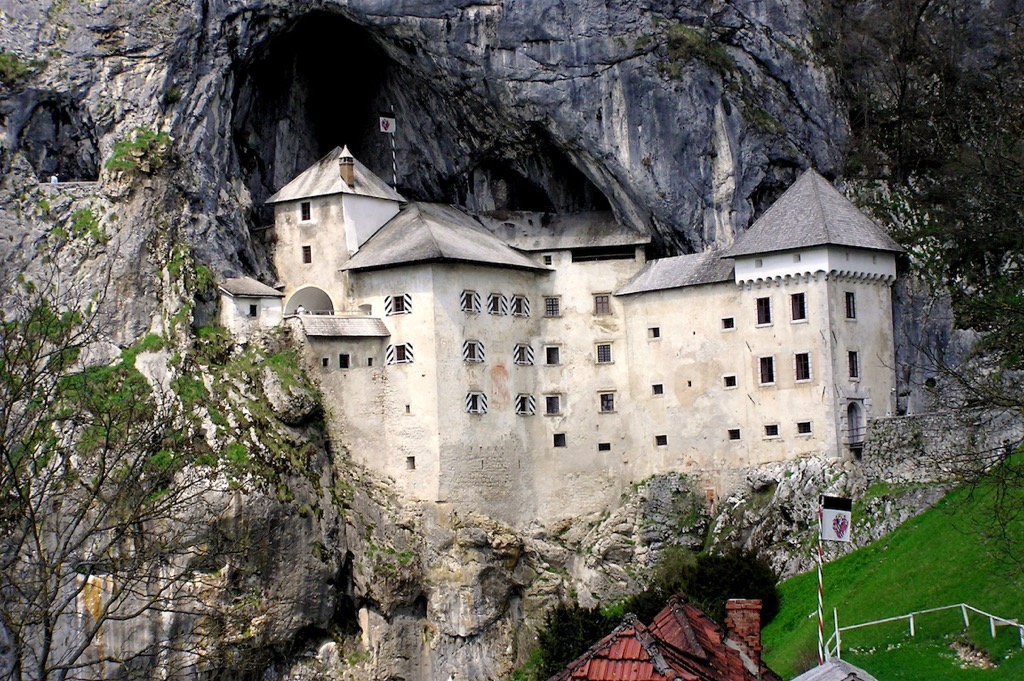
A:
x: 311, y: 299
x: 855, y: 426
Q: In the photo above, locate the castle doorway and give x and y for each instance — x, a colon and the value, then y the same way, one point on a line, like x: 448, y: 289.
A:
x: 311, y: 299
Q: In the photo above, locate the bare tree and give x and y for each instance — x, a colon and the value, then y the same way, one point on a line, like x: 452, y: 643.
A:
x: 105, y: 545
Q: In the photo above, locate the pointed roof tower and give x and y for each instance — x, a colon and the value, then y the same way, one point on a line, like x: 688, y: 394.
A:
x: 811, y: 213
x: 328, y: 176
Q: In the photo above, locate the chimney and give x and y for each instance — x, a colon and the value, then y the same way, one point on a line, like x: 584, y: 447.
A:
x: 348, y: 168
x: 743, y: 627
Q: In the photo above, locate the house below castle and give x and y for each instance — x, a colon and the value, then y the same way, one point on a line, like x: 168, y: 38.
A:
x: 531, y: 366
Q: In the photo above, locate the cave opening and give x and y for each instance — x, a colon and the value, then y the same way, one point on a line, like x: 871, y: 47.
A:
x: 323, y: 81
x: 57, y: 139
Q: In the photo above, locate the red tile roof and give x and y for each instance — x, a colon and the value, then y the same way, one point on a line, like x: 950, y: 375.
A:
x: 681, y: 643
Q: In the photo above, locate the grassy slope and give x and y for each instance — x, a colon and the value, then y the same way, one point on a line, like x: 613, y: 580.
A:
x: 937, y: 559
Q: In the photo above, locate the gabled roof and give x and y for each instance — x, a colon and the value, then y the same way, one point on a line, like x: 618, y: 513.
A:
x: 529, y: 231
x: 681, y: 643
x: 323, y: 178
x: 811, y: 213
x: 835, y: 670
x: 679, y: 271
x: 247, y: 287
x: 334, y: 327
x: 431, y: 232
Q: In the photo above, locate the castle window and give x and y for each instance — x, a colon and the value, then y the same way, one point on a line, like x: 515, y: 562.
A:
x: 547, y: 260
x: 522, y: 354
x: 602, y: 303
x: 472, y: 351
x: 803, y: 427
x: 766, y: 367
x: 552, y: 404
x: 607, y: 402
x: 654, y: 332
x: 758, y: 262
x: 734, y: 433
x: 851, y: 305
x: 728, y: 323
x: 369, y: 361
x: 729, y: 381
x: 325, y: 362
x: 305, y: 211
x: 559, y: 440
x: 764, y: 311
x: 476, y: 403
x: 853, y: 361
x: 343, y: 361
x: 398, y: 304
x: 497, y: 304
x: 398, y: 354
x: 661, y: 440
x: 771, y: 430
x: 307, y: 254
x: 520, y: 306
x: 410, y: 463
x: 798, y: 305
x: 552, y: 355
x: 802, y: 362
x: 254, y: 311
x: 604, y: 446
x: 470, y: 302
x: 552, y: 307
x: 526, y: 405
x: 604, y: 353
x: 658, y: 389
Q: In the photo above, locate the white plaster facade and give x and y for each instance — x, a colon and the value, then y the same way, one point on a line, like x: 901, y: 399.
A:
x: 247, y: 305
x: 486, y: 397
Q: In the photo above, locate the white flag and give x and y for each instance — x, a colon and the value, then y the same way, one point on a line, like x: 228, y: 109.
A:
x: 835, y: 518
x: 387, y: 123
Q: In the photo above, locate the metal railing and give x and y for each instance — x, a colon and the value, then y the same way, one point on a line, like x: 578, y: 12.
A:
x: 993, y: 622
x: 855, y: 436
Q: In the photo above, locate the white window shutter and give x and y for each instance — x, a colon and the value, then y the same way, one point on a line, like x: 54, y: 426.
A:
x: 389, y: 354
x: 504, y: 304
x: 389, y: 306
x: 408, y: 303
x: 408, y: 352
x: 529, y: 356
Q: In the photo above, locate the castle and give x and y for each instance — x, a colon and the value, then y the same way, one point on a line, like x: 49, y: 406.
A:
x: 531, y: 366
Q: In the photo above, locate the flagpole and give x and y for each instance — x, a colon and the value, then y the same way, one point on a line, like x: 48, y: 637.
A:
x: 394, y: 164
x: 821, y: 613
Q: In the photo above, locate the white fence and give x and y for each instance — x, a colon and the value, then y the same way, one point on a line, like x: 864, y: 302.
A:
x: 994, y: 621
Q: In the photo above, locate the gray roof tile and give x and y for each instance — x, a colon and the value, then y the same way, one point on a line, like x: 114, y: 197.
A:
x: 430, y: 232
x: 554, y: 231
x: 811, y: 213
x: 323, y: 178
x: 333, y: 326
x: 247, y: 287
x: 679, y: 271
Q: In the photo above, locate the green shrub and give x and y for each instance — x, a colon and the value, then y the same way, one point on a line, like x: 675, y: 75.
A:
x: 13, y: 70
x: 143, y: 150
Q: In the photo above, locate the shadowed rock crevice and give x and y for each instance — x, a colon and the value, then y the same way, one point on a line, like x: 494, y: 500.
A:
x: 56, y: 136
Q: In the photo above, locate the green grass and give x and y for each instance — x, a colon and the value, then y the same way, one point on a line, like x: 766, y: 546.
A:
x: 939, y: 558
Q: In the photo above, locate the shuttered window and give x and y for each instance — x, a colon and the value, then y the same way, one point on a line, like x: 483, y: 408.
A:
x: 522, y: 354
x: 472, y: 351
x: 526, y: 405
x: 520, y: 306
x: 476, y: 403
x: 497, y: 304
x: 471, y: 302
x: 399, y: 354
x: 398, y: 304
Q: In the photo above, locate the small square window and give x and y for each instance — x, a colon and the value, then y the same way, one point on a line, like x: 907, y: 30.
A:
x: 254, y: 310
x: 853, y: 360
x: 851, y: 305
x: 798, y: 307
x: 343, y: 361
x: 767, y: 370
x: 602, y: 304
x: 559, y: 440
x: 604, y: 353
x: 470, y: 302
x: 398, y: 304
x: 728, y: 323
x: 654, y: 332
x: 803, y: 366
x: 771, y: 430
x: 552, y: 404
x: 548, y: 260
x: 398, y: 354
x: 325, y: 362
x: 764, y: 311
x: 552, y: 307
x: 658, y: 389
x: 607, y: 403
x: 729, y: 381
x: 551, y: 355
x: 734, y: 433
x: 796, y: 257
x: 307, y: 254
x: 758, y: 262
x: 604, y: 446
x: 410, y: 463
x: 306, y: 211
x: 661, y: 440
x: 369, y: 361
x: 803, y: 427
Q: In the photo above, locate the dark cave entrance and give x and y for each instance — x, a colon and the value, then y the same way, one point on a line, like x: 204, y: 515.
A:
x: 57, y: 139
x: 323, y: 82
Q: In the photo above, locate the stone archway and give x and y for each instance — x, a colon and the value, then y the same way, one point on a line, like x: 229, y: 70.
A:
x: 312, y: 299
x: 855, y: 424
